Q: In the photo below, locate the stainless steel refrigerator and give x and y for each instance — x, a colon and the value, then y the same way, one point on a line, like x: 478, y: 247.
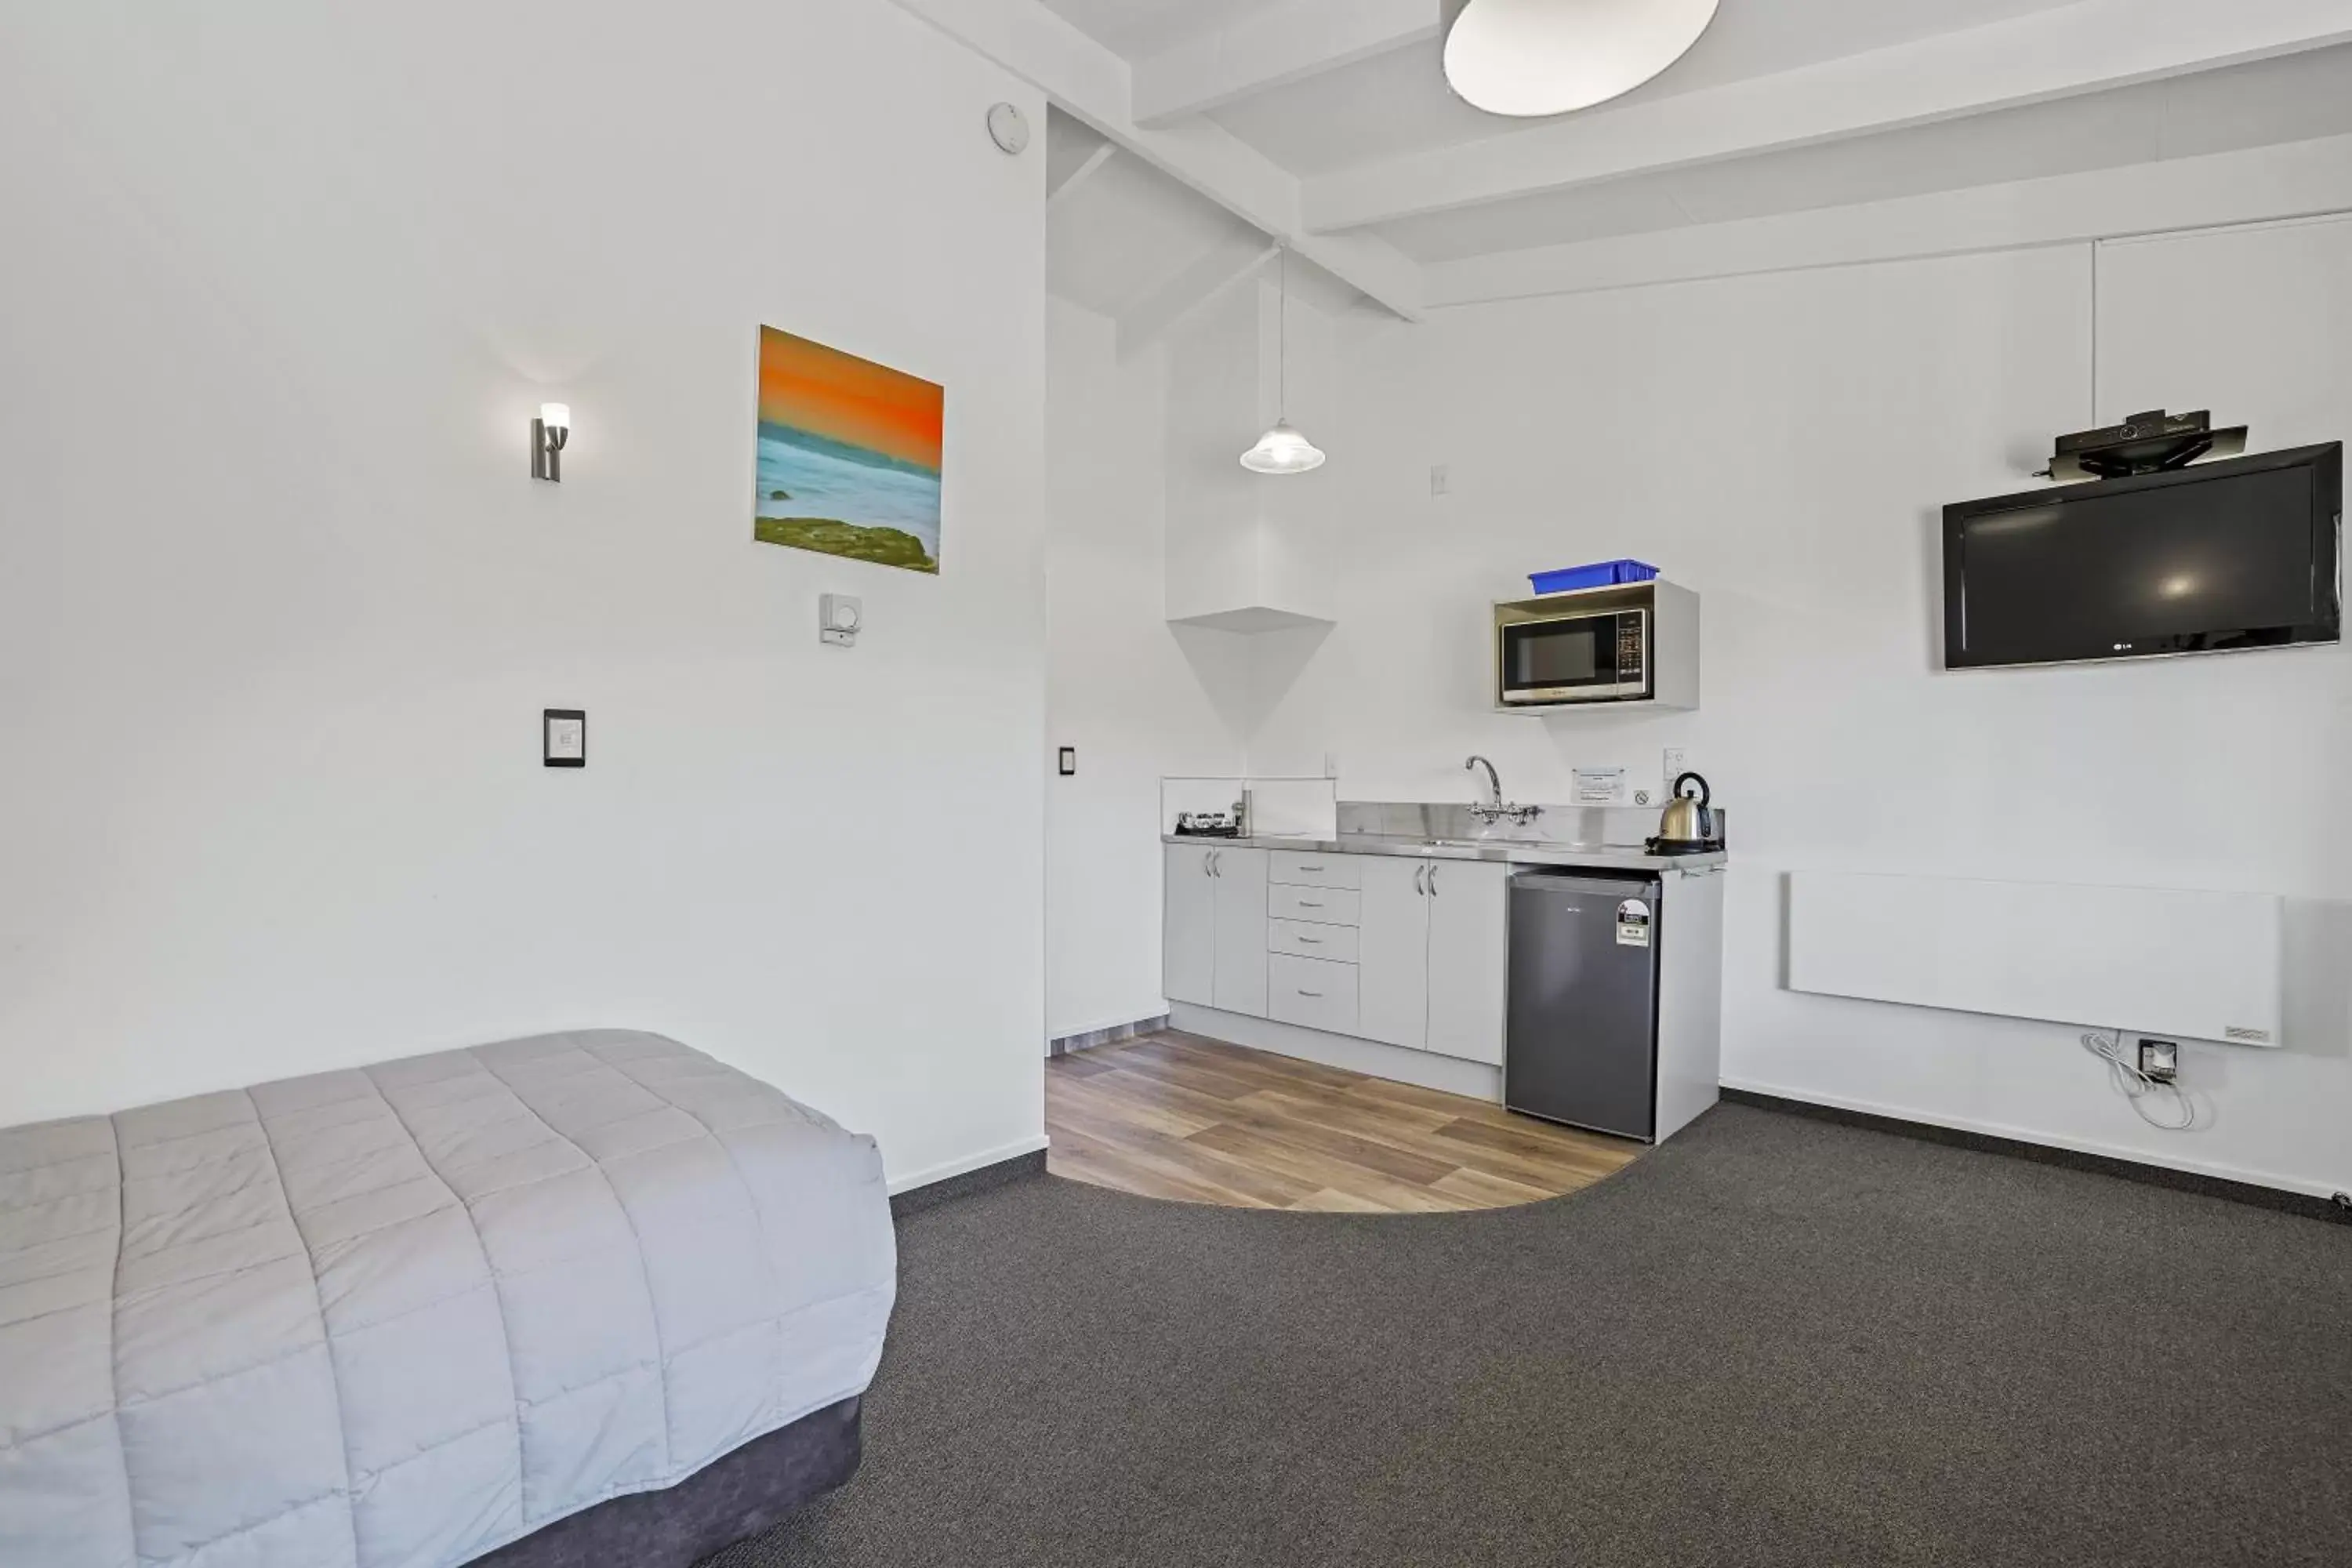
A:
x: 1581, y: 1044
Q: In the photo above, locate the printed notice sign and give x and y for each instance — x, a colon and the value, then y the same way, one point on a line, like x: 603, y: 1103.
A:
x: 1633, y: 924
x: 1600, y: 786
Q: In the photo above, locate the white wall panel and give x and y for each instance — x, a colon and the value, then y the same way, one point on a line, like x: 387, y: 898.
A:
x: 280, y: 604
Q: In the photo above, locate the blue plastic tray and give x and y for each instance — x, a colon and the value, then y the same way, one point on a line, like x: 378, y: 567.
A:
x: 1601, y: 575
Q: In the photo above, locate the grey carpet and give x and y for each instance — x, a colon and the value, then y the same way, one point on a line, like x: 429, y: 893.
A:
x: 1773, y: 1341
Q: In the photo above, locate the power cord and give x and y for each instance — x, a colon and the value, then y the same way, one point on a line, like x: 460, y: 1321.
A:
x: 2136, y: 1085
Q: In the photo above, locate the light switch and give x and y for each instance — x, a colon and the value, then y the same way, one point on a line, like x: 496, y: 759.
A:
x: 1069, y: 762
x: 564, y: 738
x: 838, y: 616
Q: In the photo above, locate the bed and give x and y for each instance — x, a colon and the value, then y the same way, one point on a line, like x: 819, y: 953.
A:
x: 578, y: 1299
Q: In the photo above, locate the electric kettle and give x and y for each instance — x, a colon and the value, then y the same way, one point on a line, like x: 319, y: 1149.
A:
x: 1689, y: 826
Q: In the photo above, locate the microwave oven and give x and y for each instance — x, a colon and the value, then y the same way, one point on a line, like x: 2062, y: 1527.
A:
x: 1624, y: 643
x: 1598, y: 655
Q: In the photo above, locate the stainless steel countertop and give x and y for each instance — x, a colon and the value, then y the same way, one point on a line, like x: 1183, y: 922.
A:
x: 1511, y: 852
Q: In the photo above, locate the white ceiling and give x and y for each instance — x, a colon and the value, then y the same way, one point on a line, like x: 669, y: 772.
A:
x: 2269, y: 101
x: 1399, y: 102
x: 1137, y: 27
x: 1385, y: 156
x: 1127, y: 231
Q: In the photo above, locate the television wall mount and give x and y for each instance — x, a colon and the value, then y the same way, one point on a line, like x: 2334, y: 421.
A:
x: 2150, y: 443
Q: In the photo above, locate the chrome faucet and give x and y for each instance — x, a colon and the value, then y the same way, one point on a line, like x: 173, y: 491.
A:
x: 1493, y: 808
x: 1494, y: 780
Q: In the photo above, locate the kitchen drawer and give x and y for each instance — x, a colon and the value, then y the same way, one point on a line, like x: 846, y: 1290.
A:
x: 1318, y: 906
x: 1311, y: 992
x: 1336, y: 945
x: 1316, y: 870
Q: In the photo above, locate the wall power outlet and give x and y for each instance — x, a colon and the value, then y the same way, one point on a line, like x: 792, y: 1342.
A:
x: 2159, y: 1060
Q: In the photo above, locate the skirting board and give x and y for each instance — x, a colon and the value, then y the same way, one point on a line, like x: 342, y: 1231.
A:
x: 2266, y: 1191
x: 1087, y: 1040
x: 1449, y: 1075
x: 981, y: 1162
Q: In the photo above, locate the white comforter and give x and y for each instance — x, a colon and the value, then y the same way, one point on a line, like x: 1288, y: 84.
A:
x: 403, y: 1314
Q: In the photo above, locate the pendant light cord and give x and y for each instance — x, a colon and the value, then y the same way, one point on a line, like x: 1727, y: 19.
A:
x: 1282, y: 336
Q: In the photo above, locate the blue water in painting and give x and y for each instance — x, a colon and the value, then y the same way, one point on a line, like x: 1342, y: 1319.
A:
x: 848, y: 484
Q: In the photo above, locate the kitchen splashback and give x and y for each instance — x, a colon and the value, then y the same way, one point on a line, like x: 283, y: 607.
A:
x: 1578, y: 827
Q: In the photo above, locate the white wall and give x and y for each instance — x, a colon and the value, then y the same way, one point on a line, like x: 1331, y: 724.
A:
x: 1137, y: 697
x: 279, y: 605
x: 1783, y: 443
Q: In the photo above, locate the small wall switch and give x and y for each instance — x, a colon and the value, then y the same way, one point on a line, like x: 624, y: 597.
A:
x: 564, y: 738
x: 1068, y: 762
x: 2159, y: 1060
x: 1677, y: 764
x: 1440, y: 480
x: 838, y: 617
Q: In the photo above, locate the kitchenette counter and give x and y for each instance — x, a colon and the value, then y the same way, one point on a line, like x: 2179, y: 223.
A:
x: 1509, y: 852
x: 1462, y: 948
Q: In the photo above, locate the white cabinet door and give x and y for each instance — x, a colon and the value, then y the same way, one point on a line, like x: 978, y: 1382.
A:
x: 1240, y: 884
x: 1188, y: 926
x: 1469, y: 958
x: 1392, y: 951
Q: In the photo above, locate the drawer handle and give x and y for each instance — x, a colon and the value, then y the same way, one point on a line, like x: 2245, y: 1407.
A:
x: 1312, y: 941
x: 1310, y: 868
x: 1308, y: 904
x: 1317, y: 994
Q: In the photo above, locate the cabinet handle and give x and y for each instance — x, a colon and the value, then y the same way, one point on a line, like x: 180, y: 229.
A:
x: 1432, y: 881
x: 1310, y: 868
x: 1317, y: 994
x: 1312, y: 941
x: 1417, y: 873
x: 1212, y: 867
x: 1305, y: 904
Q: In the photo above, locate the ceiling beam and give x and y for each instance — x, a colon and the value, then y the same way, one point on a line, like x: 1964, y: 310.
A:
x: 1090, y: 83
x: 1082, y: 173
x: 1191, y: 290
x: 2073, y: 49
x: 2260, y: 184
x: 1273, y: 47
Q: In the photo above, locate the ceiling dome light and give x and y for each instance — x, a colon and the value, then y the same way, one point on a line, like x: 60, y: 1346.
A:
x: 1283, y: 450
x: 1530, y: 57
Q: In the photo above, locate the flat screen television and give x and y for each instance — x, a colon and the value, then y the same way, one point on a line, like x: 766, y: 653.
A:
x: 2213, y: 558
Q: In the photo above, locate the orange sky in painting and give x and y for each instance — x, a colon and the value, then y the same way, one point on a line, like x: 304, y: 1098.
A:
x: 844, y: 398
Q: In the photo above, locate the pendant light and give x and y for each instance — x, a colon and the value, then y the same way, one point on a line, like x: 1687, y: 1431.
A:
x: 1528, y: 58
x: 1283, y: 450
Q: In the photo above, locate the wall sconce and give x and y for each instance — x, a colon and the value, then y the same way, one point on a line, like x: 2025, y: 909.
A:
x: 547, y: 434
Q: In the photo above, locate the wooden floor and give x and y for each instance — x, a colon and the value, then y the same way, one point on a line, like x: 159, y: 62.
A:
x: 1176, y: 1116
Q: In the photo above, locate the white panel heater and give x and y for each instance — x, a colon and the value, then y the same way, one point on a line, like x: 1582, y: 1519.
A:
x: 2154, y: 960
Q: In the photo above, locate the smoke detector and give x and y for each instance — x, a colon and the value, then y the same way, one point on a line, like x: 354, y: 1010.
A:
x: 1008, y: 128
